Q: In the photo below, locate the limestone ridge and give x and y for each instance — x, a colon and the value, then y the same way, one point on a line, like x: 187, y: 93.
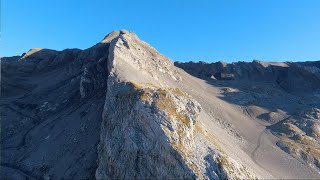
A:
x: 150, y: 127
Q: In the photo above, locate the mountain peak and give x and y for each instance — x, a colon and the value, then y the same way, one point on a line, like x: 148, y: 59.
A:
x: 131, y: 54
x: 109, y: 37
x: 124, y: 31
x: 31, y: 52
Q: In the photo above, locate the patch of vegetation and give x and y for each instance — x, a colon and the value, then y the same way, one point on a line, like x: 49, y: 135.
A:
x: 164, y: 100
x: 298, y: 144
x: 305, y: 145
x: 167, y: 104
x: 209, y: 137
x: 315, y: 130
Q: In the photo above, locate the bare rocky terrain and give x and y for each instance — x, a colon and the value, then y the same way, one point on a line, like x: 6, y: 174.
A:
x: 122, y: 110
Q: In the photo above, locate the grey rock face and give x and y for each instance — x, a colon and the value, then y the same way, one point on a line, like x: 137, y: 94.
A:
x: 150, y: 130
x: 133, y: 144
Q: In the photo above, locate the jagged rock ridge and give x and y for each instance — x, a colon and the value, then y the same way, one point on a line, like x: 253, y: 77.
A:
x: 160, y: 121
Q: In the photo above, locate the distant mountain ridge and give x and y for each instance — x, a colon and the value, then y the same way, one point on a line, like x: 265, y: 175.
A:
x: 285, y: 74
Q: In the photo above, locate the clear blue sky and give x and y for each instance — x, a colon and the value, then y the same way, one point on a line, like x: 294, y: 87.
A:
x: 210, y: 30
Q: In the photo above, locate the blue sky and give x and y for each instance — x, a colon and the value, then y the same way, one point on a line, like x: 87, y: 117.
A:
x: 209, y: 30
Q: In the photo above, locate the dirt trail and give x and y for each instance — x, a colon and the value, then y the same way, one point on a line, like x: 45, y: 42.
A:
x: 253, y: 157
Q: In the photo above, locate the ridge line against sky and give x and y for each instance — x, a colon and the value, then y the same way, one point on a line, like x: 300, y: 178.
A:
x: 207, y: 30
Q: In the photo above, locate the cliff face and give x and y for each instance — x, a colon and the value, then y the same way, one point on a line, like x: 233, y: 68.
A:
x: 149, y: 127
x: 121, y: 110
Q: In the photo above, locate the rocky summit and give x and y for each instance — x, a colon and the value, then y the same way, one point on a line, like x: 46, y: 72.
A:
x: 122, y: 110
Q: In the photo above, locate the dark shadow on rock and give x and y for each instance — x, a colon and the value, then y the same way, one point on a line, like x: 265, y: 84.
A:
x: 51, y: 108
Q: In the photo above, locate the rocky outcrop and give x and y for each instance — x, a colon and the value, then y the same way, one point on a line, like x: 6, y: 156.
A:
x: 163, y: 137
x: 300, y: 136
x: 140, y: 138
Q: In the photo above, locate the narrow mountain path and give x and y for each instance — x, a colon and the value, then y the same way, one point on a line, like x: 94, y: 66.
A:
x: 258, y: 143
x: 253, y: 154
x: 22, y: 141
